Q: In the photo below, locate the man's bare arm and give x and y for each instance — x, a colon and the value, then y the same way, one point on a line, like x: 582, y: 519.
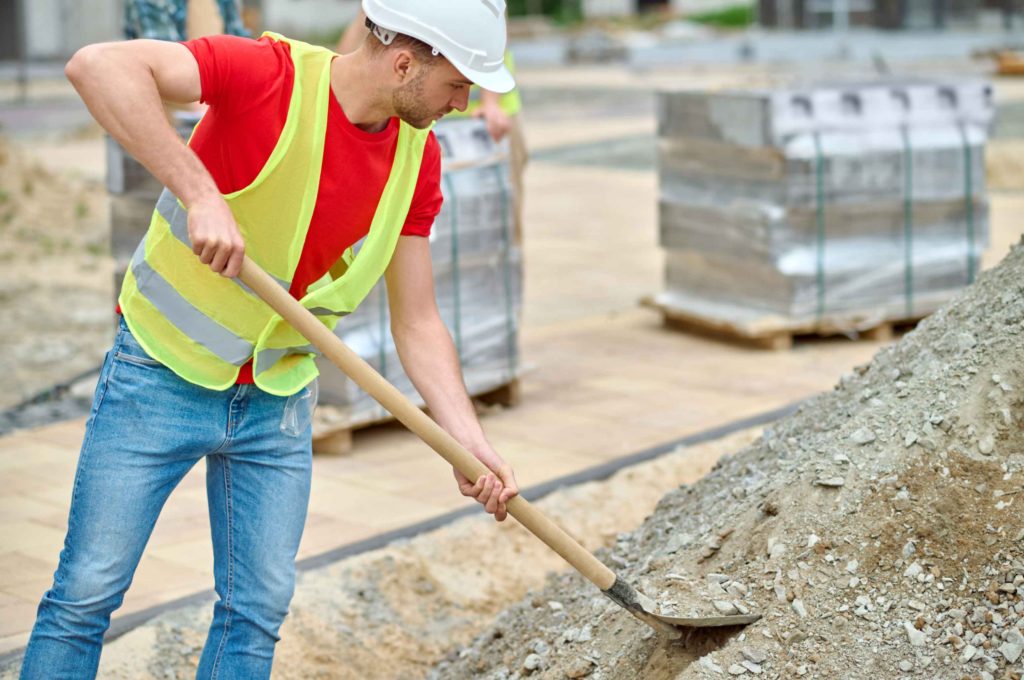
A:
x: 124, y: 85
x: 429, y: 358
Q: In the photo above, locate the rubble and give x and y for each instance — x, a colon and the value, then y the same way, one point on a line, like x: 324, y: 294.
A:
x: 908, y: 563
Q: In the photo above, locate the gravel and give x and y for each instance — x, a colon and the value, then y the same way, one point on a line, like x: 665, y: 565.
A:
x: 878, y: 530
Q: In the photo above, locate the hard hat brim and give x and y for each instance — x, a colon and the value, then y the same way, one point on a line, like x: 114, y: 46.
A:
x: 500, y: 80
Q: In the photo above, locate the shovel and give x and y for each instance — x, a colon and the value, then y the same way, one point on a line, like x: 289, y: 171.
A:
x: 331, y: 346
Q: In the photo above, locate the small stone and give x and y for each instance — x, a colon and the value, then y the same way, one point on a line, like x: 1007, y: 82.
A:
x: 906, y: 666
x: 852, y: 565
x: 585, y: 634
x: 736, y: 589
x: 909, y: 549
x: 725, y: 607
x: 752, y: 667
x: 533, y: 662
x: 862, y: 436
x: 968, y: 653
x: 1011, y: 651
x: 555, y: 606
x: 798, y: 607
x: 966, y: 341
x: 913, y: 570
x: 754, y: 655
x: 737, y: 669
x: 813, y: 540
x: 579, y: 668
x: 708, y: 663
x: 830, y: 482
x: 987, y: 444
x: 916, y: 637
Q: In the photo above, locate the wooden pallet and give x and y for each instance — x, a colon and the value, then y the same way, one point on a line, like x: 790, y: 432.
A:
x: 777, y: 333
x: 335, y: 440
x: 1010, y: 63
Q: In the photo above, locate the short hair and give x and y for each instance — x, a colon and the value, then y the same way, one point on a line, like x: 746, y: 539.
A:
x: 424, y: 52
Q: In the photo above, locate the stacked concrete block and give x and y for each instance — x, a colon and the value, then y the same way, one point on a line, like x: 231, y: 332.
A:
x: 477, y: 277
x: 822, y: 203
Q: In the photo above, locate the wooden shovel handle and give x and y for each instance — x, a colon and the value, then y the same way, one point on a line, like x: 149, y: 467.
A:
x: 412, y: 417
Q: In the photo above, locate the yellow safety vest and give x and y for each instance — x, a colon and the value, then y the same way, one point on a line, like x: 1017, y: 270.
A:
x: 204, y: 326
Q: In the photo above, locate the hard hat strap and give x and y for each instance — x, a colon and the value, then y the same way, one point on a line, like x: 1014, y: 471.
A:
x: 384, y: 35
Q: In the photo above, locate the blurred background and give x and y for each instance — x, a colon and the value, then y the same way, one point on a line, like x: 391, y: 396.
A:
x: 725, y: 207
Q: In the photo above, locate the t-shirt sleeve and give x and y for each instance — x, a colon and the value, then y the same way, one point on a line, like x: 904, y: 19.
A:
x: 427, y: 198
x: 236, y: 73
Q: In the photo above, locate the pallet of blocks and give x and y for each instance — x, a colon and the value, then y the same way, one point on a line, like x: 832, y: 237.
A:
x: 478, y: 284
x: 822, y: 210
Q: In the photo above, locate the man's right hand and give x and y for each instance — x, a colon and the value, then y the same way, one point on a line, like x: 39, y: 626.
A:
x: 215, y: 236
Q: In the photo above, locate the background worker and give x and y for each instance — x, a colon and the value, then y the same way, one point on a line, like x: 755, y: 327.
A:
x: 180, y: 19
x: 301, y: 155
x: 501, y: 112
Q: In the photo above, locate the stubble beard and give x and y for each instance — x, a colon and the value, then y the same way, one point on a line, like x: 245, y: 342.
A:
x: 409, y: 106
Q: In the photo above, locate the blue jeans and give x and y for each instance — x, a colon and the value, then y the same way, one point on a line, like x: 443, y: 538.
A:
x: 147, y: 428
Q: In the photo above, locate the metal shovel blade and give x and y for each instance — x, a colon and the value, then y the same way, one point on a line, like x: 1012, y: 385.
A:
x: 709, y: 621
x: 672, y: 627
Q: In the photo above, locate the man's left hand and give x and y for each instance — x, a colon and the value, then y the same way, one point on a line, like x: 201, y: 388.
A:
x: 494, y: 489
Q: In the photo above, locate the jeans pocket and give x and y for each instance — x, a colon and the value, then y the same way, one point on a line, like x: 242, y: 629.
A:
x: 127, y: 348
x: 298, y: 410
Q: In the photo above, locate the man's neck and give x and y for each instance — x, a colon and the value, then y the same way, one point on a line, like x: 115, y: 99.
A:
x: 355, y: 86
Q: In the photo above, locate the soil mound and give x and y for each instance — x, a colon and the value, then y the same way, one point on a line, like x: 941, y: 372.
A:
x: 879, y: 531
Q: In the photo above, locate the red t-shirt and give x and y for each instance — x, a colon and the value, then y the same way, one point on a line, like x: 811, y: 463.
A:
x: 248, y: 85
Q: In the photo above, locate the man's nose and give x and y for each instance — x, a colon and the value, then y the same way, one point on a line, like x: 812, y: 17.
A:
x: 460, y: 101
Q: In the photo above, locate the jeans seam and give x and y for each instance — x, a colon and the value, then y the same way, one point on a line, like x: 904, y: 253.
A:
x: 86, y: 449
x: 229, y: 591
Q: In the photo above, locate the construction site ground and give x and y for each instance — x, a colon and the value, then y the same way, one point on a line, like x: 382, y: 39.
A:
x: 603, y: 378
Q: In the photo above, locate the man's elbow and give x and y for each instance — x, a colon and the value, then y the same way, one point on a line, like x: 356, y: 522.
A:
x: 414, y: 330
x: 82, y: 62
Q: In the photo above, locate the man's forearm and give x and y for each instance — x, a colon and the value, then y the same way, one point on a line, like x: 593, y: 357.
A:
x: 123, y: 97
x: 429, y: 358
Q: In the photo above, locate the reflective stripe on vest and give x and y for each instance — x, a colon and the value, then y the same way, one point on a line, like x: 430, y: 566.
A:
x: 204, y: 330
x: 203, y: 326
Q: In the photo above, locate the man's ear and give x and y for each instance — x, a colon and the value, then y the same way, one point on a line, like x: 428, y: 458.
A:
x: 403, y: 65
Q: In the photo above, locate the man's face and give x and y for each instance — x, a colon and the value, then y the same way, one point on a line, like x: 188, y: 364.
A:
x: 432, y: 92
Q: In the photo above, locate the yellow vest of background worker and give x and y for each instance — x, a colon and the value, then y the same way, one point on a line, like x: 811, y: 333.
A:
x: 203, y: 326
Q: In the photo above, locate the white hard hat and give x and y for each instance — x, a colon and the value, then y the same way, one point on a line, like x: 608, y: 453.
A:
x: 469, y: 33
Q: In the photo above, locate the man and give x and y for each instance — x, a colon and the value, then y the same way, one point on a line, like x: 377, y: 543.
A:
x: 302, y: 154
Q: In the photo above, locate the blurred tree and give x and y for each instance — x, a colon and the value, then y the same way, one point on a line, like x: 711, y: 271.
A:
x: 564, y: 11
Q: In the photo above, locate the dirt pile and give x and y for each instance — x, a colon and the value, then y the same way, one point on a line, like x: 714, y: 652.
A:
x: 55, y: 275
x: 880, y: 531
